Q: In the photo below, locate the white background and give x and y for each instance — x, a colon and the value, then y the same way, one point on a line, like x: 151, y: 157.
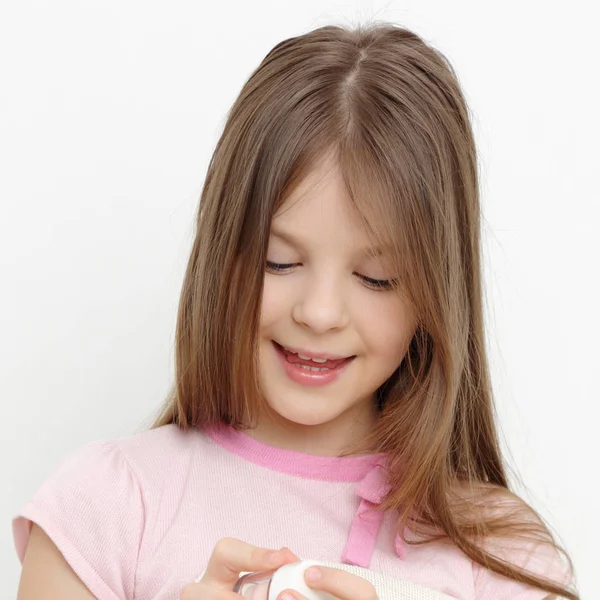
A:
x: 109, y: 112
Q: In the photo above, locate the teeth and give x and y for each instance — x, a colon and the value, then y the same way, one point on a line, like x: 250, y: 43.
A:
x: 307, y: 368
x: 317, y: 360
x: 306, y: 357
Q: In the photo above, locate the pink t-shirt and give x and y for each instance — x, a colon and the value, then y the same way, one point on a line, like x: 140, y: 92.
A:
x: 138, y: 517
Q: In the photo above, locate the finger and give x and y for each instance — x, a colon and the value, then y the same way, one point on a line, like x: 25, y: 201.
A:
x: 231, y: 556
x: 291, y: 595
x: 340, y: 583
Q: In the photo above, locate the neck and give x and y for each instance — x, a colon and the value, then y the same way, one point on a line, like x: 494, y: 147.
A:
x: 341, y: 436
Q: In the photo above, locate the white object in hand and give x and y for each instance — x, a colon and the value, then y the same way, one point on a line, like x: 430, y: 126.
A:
x: 291, y: 577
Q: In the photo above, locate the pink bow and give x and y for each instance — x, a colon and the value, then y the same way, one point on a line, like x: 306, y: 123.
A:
x: 367, y: 522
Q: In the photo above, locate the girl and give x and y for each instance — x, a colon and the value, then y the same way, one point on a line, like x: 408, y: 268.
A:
x: 332, y: 389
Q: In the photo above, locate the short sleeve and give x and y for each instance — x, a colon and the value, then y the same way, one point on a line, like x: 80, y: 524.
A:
x: 91, y: 508
x: 541, y: 560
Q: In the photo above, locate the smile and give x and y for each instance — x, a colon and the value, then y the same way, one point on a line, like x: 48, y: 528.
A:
x: 312, y: 369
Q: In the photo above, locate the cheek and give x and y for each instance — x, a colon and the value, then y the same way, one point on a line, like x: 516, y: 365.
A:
x: 273, y: 303
x: 390, y: 327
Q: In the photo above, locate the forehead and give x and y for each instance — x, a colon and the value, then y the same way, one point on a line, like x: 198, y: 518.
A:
x: 319, y: 214
x: 321, y: 195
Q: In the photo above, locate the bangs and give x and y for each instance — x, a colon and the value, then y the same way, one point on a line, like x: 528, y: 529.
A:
x: 382, y: 199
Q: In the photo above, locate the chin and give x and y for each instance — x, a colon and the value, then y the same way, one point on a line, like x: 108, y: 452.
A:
x: 303, y: 415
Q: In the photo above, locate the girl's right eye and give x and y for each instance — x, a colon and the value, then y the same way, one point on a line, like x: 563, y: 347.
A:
x: 277, y: 267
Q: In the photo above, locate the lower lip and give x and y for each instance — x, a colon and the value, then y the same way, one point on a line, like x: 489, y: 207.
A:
x: 310, y: 378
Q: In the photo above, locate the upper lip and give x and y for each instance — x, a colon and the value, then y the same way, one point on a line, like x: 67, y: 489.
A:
x: 314, y: 354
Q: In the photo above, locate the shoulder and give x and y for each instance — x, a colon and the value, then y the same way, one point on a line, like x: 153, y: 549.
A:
x: 159, y: 447
x: 516, y: 534
x: 123, y: 462
x: 144, y: 464
x: 90, y: 506
x: 96, y: 502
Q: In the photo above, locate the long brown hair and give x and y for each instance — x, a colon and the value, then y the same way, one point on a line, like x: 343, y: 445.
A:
x: 388, y: 107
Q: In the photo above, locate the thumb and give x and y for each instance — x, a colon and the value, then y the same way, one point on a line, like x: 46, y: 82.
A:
x: 230, y: 557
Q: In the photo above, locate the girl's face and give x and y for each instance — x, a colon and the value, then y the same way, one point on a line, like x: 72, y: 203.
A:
x: 325, y: 297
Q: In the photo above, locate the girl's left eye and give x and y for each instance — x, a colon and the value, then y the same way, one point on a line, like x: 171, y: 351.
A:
x: 279, y: 266
x: 376, y: 284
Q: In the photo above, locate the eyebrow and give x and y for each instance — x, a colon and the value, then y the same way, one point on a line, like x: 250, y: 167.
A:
x: 292, y: 240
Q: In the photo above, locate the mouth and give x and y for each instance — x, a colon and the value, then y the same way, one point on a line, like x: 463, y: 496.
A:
x: 311, y: 368
x: 324, y: 359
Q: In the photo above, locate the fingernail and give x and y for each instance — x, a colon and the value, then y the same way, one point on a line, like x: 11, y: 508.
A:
x: 313, y: 574
x: 273, y: 557
x: 286, y: 596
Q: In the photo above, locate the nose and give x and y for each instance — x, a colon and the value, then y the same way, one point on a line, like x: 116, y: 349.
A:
x: 321, y: 306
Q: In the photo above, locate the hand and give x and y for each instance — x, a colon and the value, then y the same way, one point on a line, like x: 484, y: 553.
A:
x: 338, y: 583
x: 228, y: 559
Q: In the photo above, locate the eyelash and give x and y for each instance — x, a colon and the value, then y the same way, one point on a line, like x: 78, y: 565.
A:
x: 376, y: 284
